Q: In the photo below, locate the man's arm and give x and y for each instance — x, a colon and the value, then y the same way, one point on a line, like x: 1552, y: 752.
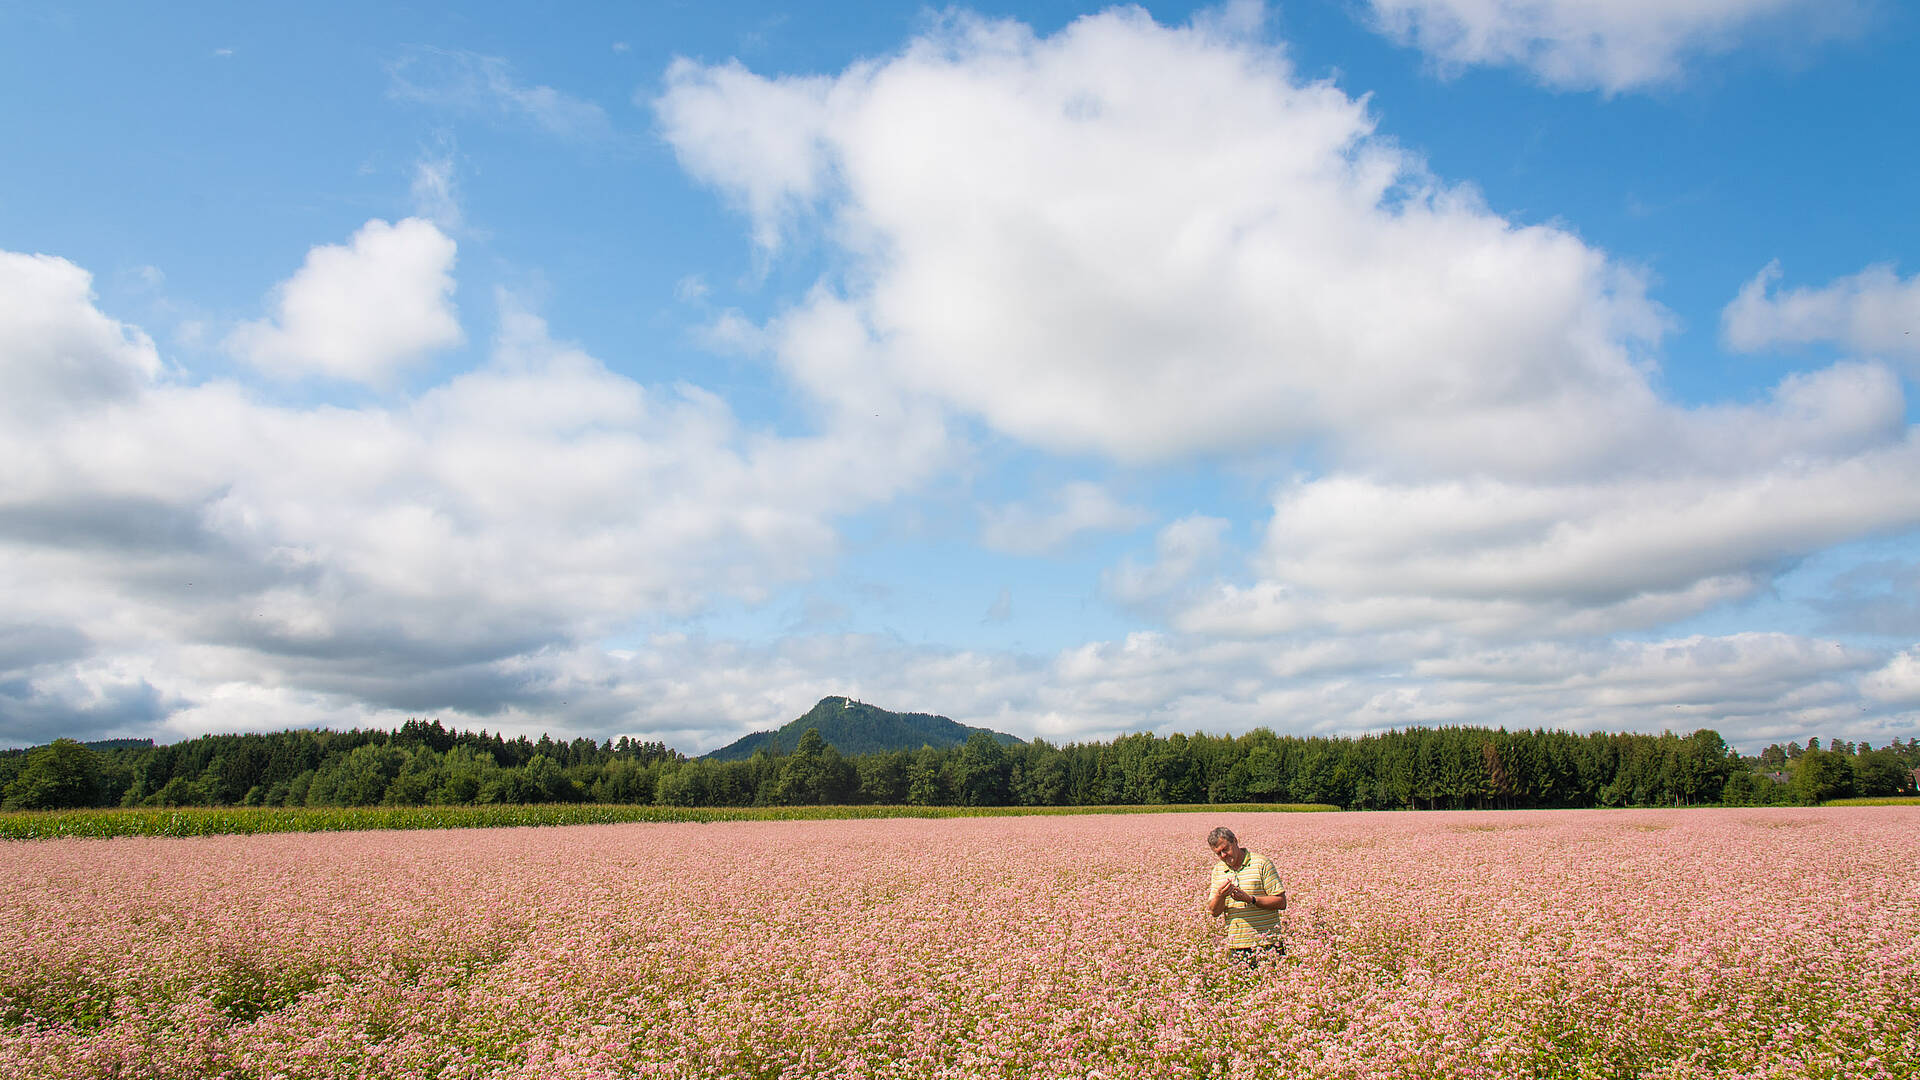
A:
x: 1270, y: 885
x: 1275, y: 902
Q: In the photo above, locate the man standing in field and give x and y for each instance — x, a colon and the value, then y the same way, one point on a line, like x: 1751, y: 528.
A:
x: 1246, y: 890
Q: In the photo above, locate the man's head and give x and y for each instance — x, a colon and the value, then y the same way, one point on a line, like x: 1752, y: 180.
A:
x: 1225, y: 845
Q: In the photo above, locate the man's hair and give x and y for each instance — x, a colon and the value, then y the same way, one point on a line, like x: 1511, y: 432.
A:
x: 1221, y: 832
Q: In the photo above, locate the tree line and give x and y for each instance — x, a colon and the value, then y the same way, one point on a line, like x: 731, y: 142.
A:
x: 423, y: 762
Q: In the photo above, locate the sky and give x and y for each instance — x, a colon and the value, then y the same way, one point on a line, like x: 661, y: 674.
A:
x: 1331, y: 366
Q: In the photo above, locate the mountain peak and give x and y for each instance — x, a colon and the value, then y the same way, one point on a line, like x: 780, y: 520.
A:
x: 855, y: 727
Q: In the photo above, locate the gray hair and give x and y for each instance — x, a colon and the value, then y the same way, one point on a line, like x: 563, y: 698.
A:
x: 1221, y: 832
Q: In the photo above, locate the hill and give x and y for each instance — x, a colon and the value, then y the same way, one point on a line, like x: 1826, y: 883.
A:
x: 119, y: 744
x: 854, y: 727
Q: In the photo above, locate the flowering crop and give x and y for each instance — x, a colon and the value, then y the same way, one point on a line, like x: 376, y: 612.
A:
x: 1775, y: 943
x: 218, y: 820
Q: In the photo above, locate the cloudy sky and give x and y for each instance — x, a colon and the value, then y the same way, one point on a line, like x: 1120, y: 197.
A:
x: 1331, y: 366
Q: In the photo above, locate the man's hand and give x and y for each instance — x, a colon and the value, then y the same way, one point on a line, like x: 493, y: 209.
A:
x: 1228, y: 889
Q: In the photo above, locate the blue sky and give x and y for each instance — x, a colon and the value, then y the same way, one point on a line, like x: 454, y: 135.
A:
x: 1327, y: 367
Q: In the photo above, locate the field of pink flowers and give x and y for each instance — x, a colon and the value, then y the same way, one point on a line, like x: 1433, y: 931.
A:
x: 1553, y: 944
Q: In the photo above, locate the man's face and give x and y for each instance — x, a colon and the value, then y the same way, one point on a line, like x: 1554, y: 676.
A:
x: 1227, y: 852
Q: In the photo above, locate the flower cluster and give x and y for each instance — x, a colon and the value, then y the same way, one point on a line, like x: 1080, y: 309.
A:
x: 1756, y: 943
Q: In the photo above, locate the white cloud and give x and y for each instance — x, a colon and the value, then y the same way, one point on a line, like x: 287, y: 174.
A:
x: 1182, y: 550
x: 475, y: 83
x: 296, y: 567
x: 1074, y: 509
x: 759, y: 139
x: 1133, y: 241
x: 1873, y: 312
x: 698, y: 694
x: 1723, y: 501
x: 360, y: 312
x: 1151, y: 242
x: 1495, y: 558
x: 1898, y: 682
x: 58, y: 352
x: 1753, y: 688
x: 414, y: 557
x: 1609, y: 45
x: 435, y: 187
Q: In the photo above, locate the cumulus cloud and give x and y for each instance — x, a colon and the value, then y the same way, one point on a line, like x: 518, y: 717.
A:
x: 58, y: 353
x: 1608, y: 45
x: 1753, y: 688
x: 362, y: 311
x: 758, y: 139
x: 84, y: 700
x: 1898, y: 682
x: 1155, y: 242
x: 405, y: 557
x: 1149, y: 242
x: 1138, y: 242
x: 1495, y: 558
x: 486, y: 85
x: 1074, y: 509
x: 699, y: 693
x: 1873, y: 312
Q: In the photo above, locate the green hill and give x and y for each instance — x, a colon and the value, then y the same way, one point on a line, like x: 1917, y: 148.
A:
x: 119, y: 744
x: 854, y: 727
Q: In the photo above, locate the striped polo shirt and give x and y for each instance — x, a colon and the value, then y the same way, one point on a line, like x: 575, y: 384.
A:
x: 1248, y: 925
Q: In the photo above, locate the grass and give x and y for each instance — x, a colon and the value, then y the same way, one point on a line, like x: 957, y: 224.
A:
x: 1878, y: 800
x: 223, y: 820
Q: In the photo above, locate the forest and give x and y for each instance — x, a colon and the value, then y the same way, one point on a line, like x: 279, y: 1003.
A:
x: 1454, y: 767
x: 423, y: 762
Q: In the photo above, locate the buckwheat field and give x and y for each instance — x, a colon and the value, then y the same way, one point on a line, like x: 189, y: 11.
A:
x: 1697, y: 943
